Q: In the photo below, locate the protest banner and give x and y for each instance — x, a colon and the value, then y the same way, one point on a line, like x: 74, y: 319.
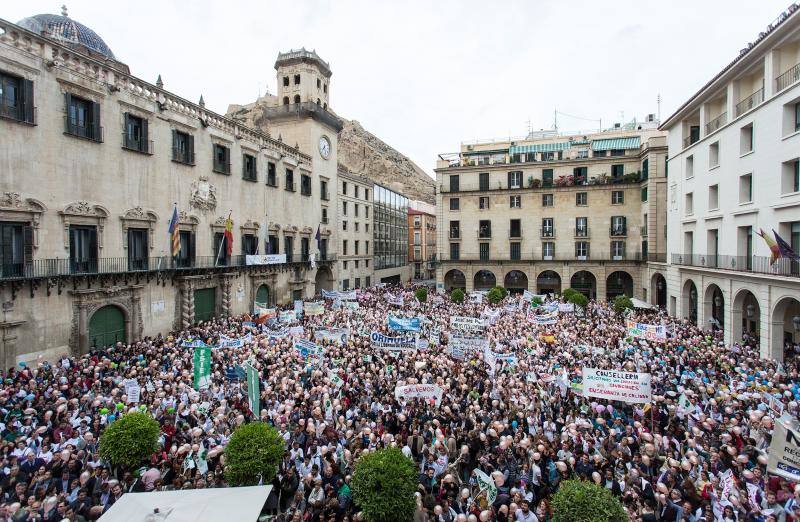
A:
x: 253, y: 390
x: 404, y: 324
x: 784, y: 451
x: 384, y: 342
x: 268, y: 259
x: 394, y: 300
x: 344, y: 296
x: 277, y: 334
x: 544, y: 319
x: 651, y: 332
x: 566, y: 307
x: 475, y: 297
x: 468, y: 343
x: 335, y: 379
x: 458, y: 322
x: 419, y: 391
x: 234, y: 342
x: 296, y: 331
x: 313, y: 308
x: 287, y: 316
x: 335, y: 335
x: 351, y: 305
x: 202, y: 367
x: 486, y: 483
x: 298, y: 308
x: 306, y: 349
x: 435, y: 336
x: 456, y: 352
x: 490, y: 316
x: 132, y: 390
x: 617, y: 385
x: 527, y: 295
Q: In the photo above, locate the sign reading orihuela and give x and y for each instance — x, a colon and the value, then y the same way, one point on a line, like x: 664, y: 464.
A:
x: 617, y: 385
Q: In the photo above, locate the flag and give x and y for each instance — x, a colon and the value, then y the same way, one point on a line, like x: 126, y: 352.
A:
x: 229, y: 235
x: 253, y: 390
x: 175, y: 233
x: 775, y: 252
x: 784, y: 247
x: 202, y: 367
x: 318, y: 237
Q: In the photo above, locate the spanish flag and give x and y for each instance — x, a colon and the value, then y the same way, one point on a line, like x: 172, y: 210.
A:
x: 229, y: 235
x: 775, y: 252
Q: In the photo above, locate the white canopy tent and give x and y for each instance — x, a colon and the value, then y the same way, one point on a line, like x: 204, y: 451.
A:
x: 638, y: 303
x: 191, y: 505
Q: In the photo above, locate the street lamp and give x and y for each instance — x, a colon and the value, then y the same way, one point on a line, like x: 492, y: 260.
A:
x: 750, y: 309
x: 718, y: 301
x: 796, y: 323
x: 660, y: 285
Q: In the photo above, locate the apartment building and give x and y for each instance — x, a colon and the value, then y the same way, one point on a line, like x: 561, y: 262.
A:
x: 390, y: 236
x: 356, y: 266
x: 734, y: 169
x: 552, y: 211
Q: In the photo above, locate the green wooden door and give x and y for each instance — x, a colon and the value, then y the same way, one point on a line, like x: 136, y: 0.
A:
x: 106, y: 327
x: 262, y: 295
x: 204, y: 304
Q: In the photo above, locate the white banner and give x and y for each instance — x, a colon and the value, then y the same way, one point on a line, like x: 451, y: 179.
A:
x: 336, y: 335
x: 491, y: 316
x: 475, y: 297
x: 651, y: 332
x: 617, y: 385
x: 287, y: 316
x: 419, y: 391
x: 566, y: 307
x: 268, y: 259
x: 467, y: 323
x: 384, y: 342
x: 784, y: 451
x: 132, y: 390
x: 467, y: 343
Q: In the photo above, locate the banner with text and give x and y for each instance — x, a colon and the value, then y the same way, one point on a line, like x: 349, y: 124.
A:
x: 335, y: 335
x: 314, y: 308
x: 269, y: 259
x: 384, y: 342
x: 468, y: 343
x: 253, y: 390
x: 404, y: 324
x: 467, y: 323
x: 784, y: 451
x: 651, y: 332
x: 419, y: 391
x: 202, y: 367
x: 617, y: 385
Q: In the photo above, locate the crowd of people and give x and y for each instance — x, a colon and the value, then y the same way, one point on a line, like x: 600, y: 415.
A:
x: 697, y: 452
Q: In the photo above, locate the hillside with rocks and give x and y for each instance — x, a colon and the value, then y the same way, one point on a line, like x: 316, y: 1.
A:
x: 360, y: 152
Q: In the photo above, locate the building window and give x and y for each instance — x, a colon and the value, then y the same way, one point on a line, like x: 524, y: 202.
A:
x: 83, y: 118
x: 617, y: 171
x: 355, y: 191
x: 344, y: 188
x: 581, y: 199
x: 355, y: 263
x: 455, y: 229
x: 515, y: 201
x: 358, y: 280
x: 249, y: 244
x: 713, y: 155
x: 182, y: 147
x: 548, y: 250
x: 344, y: 247
x: 484, y: 229
x: 617, y: 197
x: 305, y: 248
x: 483, y: 181
x: 581, y: 227
x: 16, y: 248
x: 516, y: 251
x: 580, y: 175
x: 644, y: 193
x: 548, y: 229
x: 288, y: 247
x: 220, y: 250
x: 455, y: 251
x: 582, y: 250
x: 344, y: 265
x: 746, y: 188
x: 454, y: 183
x: 790, y: 179
x: 713, y: 197
x: 16, y: 98
x: 222, y: 159
x: 483, y: 202
x: 617, y: 250
x: 547, y: 200
x: 515, y: 228
x: 324, y: 214
x: 323, y: 190
x: 515, y: 179
x: 356, y: 225
x: 185, y: 257
x: 797, y: 117
x: 355, y: 209
x: 366, y: 212
x: 297, y: 98
x: 746, y: 141
x: 645, y: 169
x: 249, y: 171
x: 346, y: 283
x: 135, y: 135
x: 366, y: 197
x: 137, y: 248
x: 547, y: 178
x: 689, y: 204
x: 285, y: 81
x: 286, y: 100
x: 289, y: 180
x: 344, y: 208
x: 344, y: 225
x: 366, y: 250
x: 689, y: 167
x: 272, y: 177
x: 619, y: 226
x: 454, y: 203
x: 305, y: 185
x: 484, y: 251
x: 355, y: 247
x: 297, y: 79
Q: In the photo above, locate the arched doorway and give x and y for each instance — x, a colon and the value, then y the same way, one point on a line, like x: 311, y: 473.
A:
x: 484, y: 280
x: 658, y: 290
x: 455, y: 279
x: 106, y: 327
x: 262, y: 295
x: 714, y: 307
x: 323, y: 280
x: 785, y: 321
x: 584, y: 282
x: 689, y: 297
x: 619, y: 283
x: 548, y: 282
x: 746, y: 315
x: 516, y: 282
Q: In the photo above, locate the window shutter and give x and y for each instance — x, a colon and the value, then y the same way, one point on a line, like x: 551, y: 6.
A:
x: 67, y: 104
x: 145, y: 145
x: 509, y: 179
x: 190, y: 147
x: 174, y: 144
x: 96, y: 131
x: 27, y: 244
x: 27, y: 100
x: 93, y: 255
x: 190, y: 254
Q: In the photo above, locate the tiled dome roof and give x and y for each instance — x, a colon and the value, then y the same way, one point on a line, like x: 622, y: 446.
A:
x: 67, y: 30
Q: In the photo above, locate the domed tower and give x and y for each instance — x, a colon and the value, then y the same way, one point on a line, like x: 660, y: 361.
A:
x: 303, y: 77
x: 68, y: 32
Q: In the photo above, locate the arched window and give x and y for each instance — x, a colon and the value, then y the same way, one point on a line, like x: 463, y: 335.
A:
x: 317, y: 101
x: 297, y: 98
x: 286, y: 100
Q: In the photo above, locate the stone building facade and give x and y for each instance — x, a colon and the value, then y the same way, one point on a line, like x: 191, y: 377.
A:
x: 422, y: 240
x: 96, y: 161
x: 354, y: 205
x: 552, y: 211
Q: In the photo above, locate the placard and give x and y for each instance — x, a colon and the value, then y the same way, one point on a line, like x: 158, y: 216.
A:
x: 784, y: 451
x: 419, y: 391
x: 458, y: 322
x: 404, y: 324
x: 651, y: 332
x: 385, y: 342
x: 617, y: 385
x: 265, y: 259
x: 314, y: 308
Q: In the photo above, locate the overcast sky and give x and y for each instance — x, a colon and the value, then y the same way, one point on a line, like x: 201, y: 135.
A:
x: 425, y: 76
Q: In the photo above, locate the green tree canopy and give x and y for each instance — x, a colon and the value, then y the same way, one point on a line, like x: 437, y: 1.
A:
x: 622, y: 303
x: 253, y: 454
x: 383, y: 485
x: 457, y: 296
x: 130, y: 439
x: 582, y: 500
x: 496, y: 294
x: 421, y: 294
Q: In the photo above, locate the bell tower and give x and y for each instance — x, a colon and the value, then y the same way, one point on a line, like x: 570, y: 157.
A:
x: 303, y: 77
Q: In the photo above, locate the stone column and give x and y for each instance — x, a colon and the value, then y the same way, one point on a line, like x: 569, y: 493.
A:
x: 136, y: 318
x: 83, y: 329
x: 225, y: 285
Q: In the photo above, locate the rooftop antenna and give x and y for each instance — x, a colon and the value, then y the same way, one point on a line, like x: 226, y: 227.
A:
x: 529, y: 126
x: 64, y: 10
x: 555, y: 119
x: 658, y: 101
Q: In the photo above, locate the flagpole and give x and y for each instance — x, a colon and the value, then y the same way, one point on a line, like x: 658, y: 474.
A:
x: 224, y: 239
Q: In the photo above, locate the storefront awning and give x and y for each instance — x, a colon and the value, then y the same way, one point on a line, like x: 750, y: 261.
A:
x: 616, y: 143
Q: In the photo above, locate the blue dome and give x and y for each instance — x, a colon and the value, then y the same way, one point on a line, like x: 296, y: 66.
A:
x: 68, y: 31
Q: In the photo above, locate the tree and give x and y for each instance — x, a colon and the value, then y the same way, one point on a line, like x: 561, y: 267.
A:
x: 536, y: 300
x: 457, y: 296
x: 130, y: 439
x: 253, y: 454
x: 421, y: 294
x: 569, y: 292
x: 582, y: 500
x: 383, y: 485
x: 622, y: 303
x: 496, y: 294
x: 578, y: 299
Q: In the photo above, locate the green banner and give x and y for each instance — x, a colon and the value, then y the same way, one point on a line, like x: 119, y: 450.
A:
x: 202, y: 367
x: 253, y: 390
